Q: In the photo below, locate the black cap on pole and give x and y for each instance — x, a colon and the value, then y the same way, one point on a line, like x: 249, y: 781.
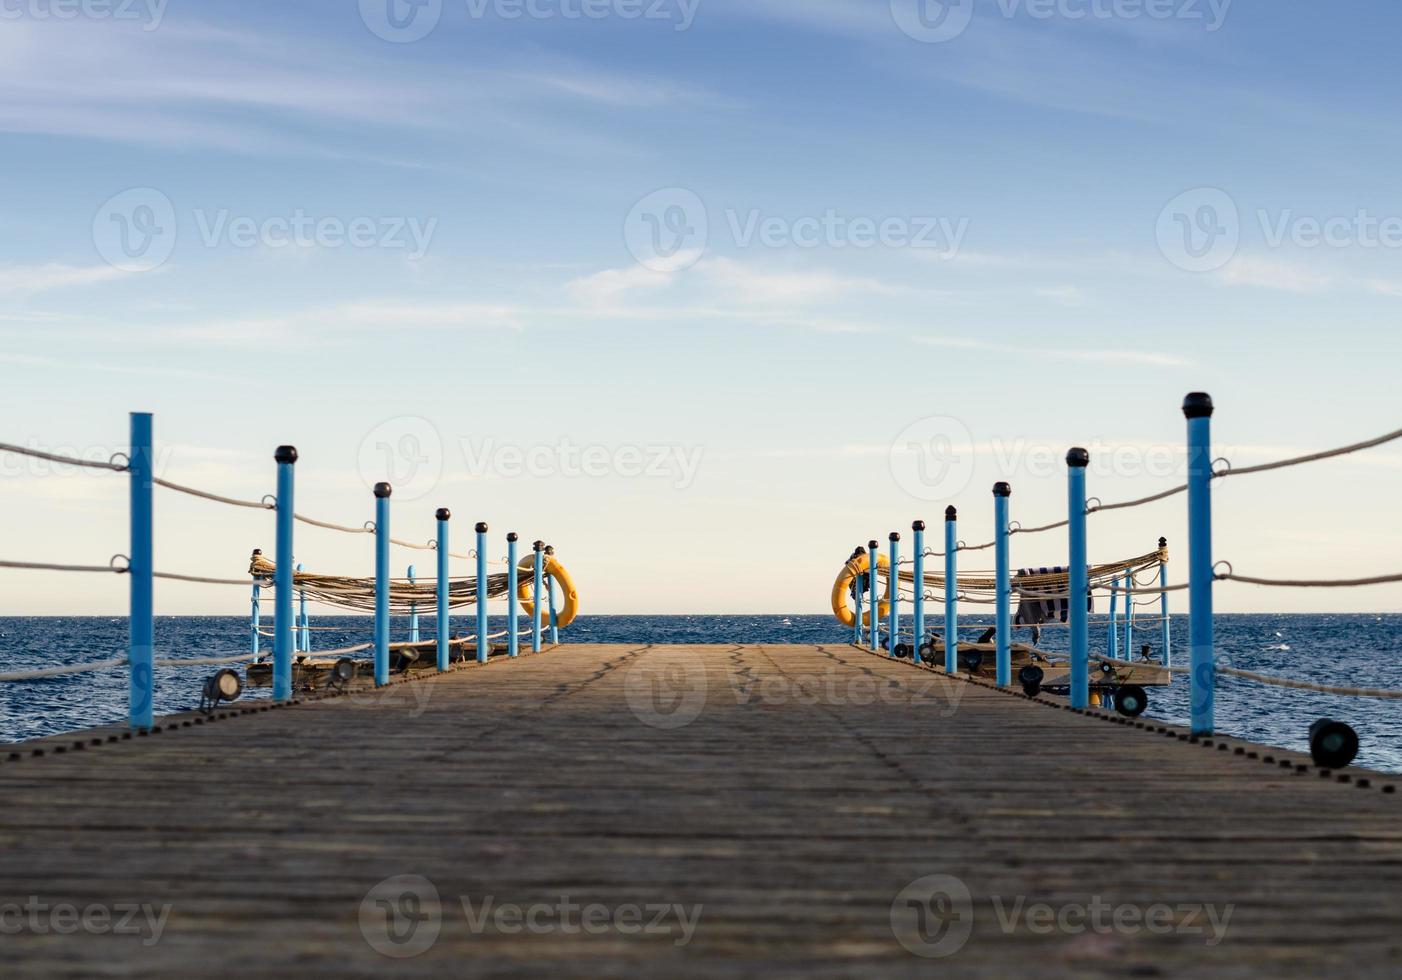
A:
x: 1078, y: 458
x: 951, y: 513
x: 873, y: 543
x: 550, y: 549
x: 895, y: 537
x: 286, y: 454
x: 539, y: 546
x: 513, y: 536
x: 1163, y: 542
x: 1198, y: 405
x: 918, y: 526
x: 444, y: 514
x: 482, y: 527
x: 383, y: 490
x: 1002, y: 489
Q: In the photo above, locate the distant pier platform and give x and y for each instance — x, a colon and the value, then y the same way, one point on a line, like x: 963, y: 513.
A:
x: 717, y: 810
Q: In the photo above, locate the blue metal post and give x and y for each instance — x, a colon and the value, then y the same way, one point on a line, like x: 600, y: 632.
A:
x: 1167, y: 657
x: 141, y: 627
x: 1079, y: 576
x: 951, y: 590
x: 413, y: 609
x: 513, y: 641
x: 857, y: 595
x: 550, y: 594
x: 256, y: 616
x: 484, y: 645
x: 382, y: 584
x: 1197, y: 408
x: 1130, y: 605
x: 286, y: 457
x: 893, y: 596
x: 1001, y: 493
x: 874, y: 615
x: 444, y: 638
x: 919, y: 571
x: 304, y: 625
x: 1114, y: 636
x: 536, y: 589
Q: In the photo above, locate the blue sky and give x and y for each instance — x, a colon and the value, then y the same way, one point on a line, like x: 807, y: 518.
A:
x: 745, y: 397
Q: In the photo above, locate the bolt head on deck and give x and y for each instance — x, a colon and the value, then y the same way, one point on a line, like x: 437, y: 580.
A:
x: 1198, y: 405
x: 482, y: 527
x: 951, y: 513
x: 383, y: 490
x: 1078, y: 458
x: 1002, y: 489
x: 513, y: 537
x: 444, y: 514
x: 286, y: 454
x: 918, y: 526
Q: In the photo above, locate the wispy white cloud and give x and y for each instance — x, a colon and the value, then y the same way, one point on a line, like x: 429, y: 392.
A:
x: 1249, y: 270
x: 53, y: 275
x: 1107, y: 356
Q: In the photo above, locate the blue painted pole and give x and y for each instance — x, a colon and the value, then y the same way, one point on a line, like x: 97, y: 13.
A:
x: 1001, y: 493
x: 1197, y: 409
x: 550, y: 593
x: 413, y: 608
x: 1163, y: 605
x: 484, y: 645
x: 513, y: 641
x: 303, y: 624
x: 1114, y: 635
x: 286, y: 457
x: 537, y: 586
x: 893, y: 596
x: 874, y: 616
x: 1130, y: 605
x: 382, y: 492
x: 951, y: 590
x: 1078, y: 577
x: 141, y: 627
x: 857, y: 596
x: 444, y: 515
x: 919, y: 570
x: 256, y: 615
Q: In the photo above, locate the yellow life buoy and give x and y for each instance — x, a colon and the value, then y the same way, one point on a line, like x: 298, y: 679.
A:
x: 857, y: 565
x: 555, y: 570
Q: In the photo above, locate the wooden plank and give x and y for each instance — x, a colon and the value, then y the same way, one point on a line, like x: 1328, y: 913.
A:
x: 792, y: 794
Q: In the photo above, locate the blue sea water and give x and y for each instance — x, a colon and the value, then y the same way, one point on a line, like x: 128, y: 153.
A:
x: 1362, y: 650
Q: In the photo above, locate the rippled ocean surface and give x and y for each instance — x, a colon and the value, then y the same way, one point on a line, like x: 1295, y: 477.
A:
x: 1362, y: 650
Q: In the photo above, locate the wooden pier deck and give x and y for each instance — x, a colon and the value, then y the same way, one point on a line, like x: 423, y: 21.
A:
x: 675, y: 811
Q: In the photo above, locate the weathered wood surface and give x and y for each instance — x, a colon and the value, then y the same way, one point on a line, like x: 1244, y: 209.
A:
x: 812, y: 786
